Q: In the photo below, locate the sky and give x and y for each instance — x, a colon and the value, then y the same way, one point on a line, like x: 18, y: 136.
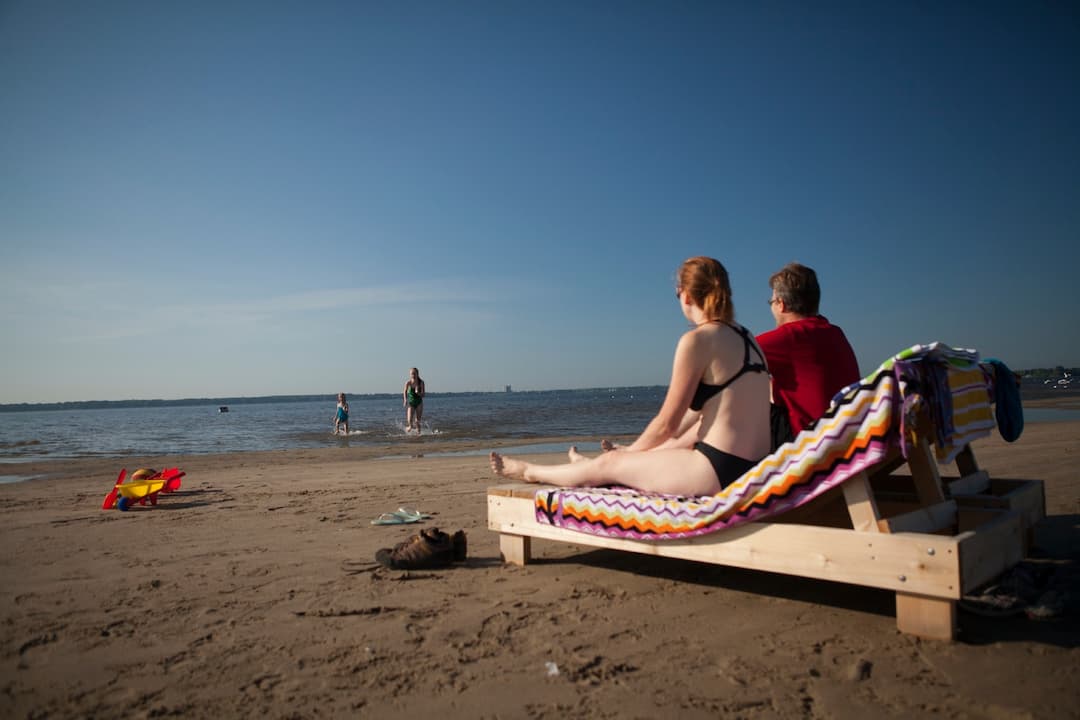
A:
x: 207, y: 199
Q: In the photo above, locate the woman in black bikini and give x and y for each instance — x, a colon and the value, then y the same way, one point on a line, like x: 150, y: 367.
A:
x: 719, y: 382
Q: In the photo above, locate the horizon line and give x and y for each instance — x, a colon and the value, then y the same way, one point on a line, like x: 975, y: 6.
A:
x: 240, y: 399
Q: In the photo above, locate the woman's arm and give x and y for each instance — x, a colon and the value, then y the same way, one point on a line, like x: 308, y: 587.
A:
x: 689, y: 421
x: 673, y: 417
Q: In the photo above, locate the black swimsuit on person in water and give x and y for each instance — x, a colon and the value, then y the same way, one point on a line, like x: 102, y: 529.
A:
x: 728, y: 467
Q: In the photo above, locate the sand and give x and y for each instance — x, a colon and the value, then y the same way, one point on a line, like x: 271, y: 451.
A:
x: 253, y: 593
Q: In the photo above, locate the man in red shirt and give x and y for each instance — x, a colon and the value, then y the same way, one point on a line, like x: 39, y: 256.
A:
x: 810, y: 360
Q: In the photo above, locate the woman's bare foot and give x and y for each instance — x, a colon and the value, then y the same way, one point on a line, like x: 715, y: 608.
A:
x: 574, y: 455
x: 508, y: 467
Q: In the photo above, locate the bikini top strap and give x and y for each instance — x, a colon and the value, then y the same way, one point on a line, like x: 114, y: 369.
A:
x: 748, y: 343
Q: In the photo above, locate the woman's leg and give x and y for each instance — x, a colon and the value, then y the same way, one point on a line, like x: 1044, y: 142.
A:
x: 678, y: 471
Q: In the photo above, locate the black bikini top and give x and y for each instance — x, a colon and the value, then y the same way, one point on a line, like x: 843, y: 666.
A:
x: 705, y: 391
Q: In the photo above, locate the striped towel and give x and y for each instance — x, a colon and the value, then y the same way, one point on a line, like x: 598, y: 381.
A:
x: 971, y: 416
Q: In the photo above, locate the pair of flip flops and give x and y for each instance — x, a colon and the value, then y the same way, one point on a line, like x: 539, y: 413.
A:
x: 401, y: 516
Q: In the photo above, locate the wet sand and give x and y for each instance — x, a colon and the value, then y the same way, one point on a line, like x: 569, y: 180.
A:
x: 253, y: 592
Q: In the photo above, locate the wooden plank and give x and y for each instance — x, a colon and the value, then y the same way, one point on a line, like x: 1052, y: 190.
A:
x: 920, y: 564
x: 1004, y: 486
x: 924, y: 471
x: 891, y: 506
x: 514, y: 490
x: 926, y: 617
x: 965, y: 461
x: 887, y: 465
x: 989, y: 502
x: 892, y: 484
x: 977, y: 482
x: 860, y: 504
x: 515, y: 549
x: 990, y: 542
x: 826, y: 510
x: 1029, y: 499
x: 926, y: 520
x: 1025, y: 497
x: 972, y: 519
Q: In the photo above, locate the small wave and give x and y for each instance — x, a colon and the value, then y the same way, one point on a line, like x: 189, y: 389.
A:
x: 19, y: 444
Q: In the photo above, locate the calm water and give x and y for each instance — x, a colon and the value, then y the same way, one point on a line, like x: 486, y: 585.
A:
x: 193, y: 429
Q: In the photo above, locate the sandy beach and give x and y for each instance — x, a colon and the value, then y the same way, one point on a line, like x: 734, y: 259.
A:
x: 253, y: 592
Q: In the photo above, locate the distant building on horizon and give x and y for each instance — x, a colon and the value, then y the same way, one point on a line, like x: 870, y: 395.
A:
x: 508, y: 389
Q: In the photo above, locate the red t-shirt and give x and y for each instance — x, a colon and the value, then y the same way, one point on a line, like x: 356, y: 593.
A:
x: 810, y: 361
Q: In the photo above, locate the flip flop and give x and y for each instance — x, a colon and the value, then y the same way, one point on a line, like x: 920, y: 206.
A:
x: 397, y: 518
x: 411, y: 513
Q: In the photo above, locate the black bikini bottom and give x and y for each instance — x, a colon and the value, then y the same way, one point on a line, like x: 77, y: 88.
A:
x: 728, y: 467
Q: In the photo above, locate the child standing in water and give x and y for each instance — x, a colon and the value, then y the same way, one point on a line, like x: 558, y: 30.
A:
x: 412, y: 399
x: 341, y: 420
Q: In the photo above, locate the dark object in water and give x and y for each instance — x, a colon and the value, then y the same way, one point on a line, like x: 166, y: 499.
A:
x: 223, y: 408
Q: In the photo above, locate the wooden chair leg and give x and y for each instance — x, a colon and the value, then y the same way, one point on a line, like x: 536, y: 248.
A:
x: 966, y: 463
x: 926, y: 617
x: 515, y: 549
x: 925, y: 474
x: 861, y: 505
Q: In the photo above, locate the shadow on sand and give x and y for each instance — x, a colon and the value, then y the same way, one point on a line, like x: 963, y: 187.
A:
x: 1056, y: 550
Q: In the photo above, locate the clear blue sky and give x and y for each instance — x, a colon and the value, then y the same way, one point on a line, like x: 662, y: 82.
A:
x: 255, y: 198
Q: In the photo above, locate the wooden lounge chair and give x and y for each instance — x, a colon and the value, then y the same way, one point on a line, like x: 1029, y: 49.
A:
x: 829, y: 504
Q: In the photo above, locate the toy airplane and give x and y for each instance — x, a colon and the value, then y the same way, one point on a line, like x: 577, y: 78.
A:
x: 143, y: 485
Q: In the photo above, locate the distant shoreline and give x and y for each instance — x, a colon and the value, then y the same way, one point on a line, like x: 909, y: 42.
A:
x: 265, y: 399
x: 1037, y: 397
x: 1032, y: 396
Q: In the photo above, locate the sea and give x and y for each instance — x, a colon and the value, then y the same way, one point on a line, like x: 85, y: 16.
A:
x: 184, y: 427
x: 518, y: 420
